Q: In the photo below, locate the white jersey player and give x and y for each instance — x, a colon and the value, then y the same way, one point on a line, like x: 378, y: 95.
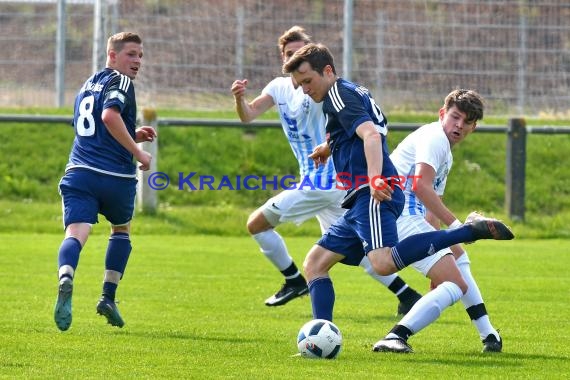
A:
x: 303, y: 123
x: 424, y: 158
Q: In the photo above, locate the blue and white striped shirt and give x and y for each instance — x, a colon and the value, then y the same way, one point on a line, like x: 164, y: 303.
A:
x: 303, y: 123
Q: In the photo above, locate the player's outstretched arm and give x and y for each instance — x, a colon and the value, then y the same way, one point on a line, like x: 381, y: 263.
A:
x: 249, y: 111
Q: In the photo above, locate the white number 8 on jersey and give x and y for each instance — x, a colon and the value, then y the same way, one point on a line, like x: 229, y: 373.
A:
x: 86, y: 114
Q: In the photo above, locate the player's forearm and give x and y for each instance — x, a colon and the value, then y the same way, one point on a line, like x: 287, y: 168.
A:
x: 433, y: 220
x: 433, y: 203
x: 373, y: 153
x: 244, y: 110
x: 248, y: 111
x: 118, y: 130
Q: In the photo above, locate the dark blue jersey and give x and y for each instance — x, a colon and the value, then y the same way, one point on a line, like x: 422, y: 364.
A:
x: 94, y: 148
x: 346, y: 106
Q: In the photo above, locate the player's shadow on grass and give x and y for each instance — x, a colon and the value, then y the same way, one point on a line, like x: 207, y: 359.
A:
x: 469, y: 359
x: 388, y: 316
x: 187, y: 336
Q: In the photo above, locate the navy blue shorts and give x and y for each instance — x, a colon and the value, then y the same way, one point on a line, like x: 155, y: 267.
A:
x: 86, y: 193
x: 366, y: 226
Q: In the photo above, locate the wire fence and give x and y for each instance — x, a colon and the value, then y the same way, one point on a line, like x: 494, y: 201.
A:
x: 409, y: 53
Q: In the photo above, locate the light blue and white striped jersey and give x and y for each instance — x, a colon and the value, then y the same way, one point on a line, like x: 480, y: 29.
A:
x: 303, y: 123
x: 428, y: 144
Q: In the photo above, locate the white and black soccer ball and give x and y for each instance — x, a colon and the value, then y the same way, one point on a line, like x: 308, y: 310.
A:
x: 319, y: 339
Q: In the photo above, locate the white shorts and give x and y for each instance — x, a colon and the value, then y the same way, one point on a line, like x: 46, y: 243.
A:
x: 299, y: 205
x: 414, y: 224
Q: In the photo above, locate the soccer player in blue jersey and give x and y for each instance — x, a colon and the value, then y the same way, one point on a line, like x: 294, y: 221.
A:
x: 100, y: 177
x: 303, y: 124
x: 357, y: 131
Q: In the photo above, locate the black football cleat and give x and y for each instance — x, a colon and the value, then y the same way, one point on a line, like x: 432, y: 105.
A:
x: 286, y: 294
x: 406, y: 305
x: 488, y: 228
x: 109, y: 310
x: 492, y: 344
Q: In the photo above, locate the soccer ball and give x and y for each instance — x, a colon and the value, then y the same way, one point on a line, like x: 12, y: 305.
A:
x: 319, y: 339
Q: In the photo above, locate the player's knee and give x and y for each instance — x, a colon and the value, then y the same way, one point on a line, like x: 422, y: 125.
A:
x: 382, y: 270
x: 121, y: 229
x: 315, y: 264
x: 257, y: 223
x: 463, y: 286
x: 79, y: 231
x: 307, y: 271
x: 381, y: 261
x: 251, y: 227
x: 309, y: 268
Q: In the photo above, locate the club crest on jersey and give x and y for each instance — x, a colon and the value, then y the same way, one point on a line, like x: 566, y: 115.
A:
x: 306, y: 105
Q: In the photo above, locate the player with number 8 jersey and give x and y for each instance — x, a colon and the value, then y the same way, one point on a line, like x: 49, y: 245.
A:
x: 100, y: 177
x: 94, y: 147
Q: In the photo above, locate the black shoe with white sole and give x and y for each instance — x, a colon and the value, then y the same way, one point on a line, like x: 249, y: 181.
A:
x: 287, y: 293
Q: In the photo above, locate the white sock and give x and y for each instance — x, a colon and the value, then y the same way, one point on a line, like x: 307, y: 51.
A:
x: 474, y: 297
x: 112, y: 276
x: 384, y: 280
x: 67, y: 271
x: 430, y: 306
x: 274, y: 248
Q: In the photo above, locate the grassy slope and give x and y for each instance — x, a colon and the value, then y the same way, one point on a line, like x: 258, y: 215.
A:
x: 34, y: 157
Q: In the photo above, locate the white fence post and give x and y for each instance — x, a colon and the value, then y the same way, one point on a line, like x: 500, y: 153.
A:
x: 147, y: 198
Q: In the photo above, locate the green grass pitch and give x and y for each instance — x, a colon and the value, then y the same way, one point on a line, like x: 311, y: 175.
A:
x: 193, y: 307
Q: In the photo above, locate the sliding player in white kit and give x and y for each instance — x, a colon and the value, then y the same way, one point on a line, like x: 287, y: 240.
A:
x: 304, y: 126
x: 424, y: 157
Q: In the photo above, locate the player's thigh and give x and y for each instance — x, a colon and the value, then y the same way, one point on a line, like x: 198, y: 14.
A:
x: 374, y: 223
x: 341, y: 238
x: 298, y: 205
x: 118, y: 199
x: 79, y: 197
x: 329, y: 215
x: 319, y: 261
x: 445, y: 269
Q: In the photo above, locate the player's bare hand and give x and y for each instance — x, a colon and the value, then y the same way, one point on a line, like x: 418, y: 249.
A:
x: 320, y: 154
x: 145, y: 133
x: 144, y: 158
x: 239, y: 87
x: 380, y: 190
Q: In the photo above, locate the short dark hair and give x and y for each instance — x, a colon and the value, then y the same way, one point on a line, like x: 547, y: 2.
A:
x: 318, y: 56
x: 467, y: 101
